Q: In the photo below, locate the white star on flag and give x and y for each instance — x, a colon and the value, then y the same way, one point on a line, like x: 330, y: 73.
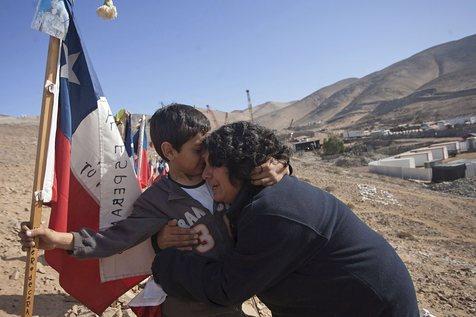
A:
x: 66, y: 70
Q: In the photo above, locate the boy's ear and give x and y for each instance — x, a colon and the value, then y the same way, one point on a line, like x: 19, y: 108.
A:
x: 168, y: 150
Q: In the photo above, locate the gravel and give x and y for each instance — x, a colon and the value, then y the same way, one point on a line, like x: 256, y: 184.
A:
x: 464, y: 187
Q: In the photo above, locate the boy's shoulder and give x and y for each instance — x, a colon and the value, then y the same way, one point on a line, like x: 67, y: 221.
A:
x: 162, y: 191
x: 166, y: 198
x: 163, y: 183
x: 164, y: 186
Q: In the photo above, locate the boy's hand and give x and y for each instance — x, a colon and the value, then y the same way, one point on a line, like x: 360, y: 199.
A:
x: 172, y: 235
x: 269, y: 173
x: 48, y: 239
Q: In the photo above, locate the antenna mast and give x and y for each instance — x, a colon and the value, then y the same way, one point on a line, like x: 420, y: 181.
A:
x: 214, y: 118
x: 250, y: 106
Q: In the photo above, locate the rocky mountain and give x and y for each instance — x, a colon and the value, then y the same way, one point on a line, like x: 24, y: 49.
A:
x: 434, y: 84
x: 282, y: 118
x: 437, y: 83
x: 262, y: 109
x: 217, y: 117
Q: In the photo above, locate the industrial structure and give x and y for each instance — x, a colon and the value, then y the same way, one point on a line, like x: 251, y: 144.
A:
x: 250, y: 106
x: 214, y: 118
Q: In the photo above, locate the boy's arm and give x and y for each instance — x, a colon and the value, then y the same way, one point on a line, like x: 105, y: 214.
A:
x: 125, y: 234
x: 87, y: 243
x: 270, y: 172
x: 145, y: 220
x: 47, y: 238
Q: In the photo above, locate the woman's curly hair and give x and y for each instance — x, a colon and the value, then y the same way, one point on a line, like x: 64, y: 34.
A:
x: 241, y: 146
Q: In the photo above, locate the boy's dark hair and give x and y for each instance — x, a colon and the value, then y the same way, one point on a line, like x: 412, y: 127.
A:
x: 176, y: 124
x: 241, y: 146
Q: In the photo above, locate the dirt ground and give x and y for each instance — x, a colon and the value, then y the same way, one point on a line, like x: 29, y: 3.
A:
x: 433, y: 232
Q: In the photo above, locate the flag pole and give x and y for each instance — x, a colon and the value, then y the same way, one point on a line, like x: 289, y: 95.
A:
x: 140, y: 146
x: 40, y: 165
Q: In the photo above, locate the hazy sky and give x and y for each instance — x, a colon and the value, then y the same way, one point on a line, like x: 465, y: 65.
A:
x: 203, y: 52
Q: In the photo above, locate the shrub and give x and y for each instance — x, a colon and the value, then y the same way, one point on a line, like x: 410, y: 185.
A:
x: 333, y: 145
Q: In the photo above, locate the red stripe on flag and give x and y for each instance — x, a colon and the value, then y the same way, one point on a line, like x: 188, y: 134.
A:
x: 59, y: 204
x: 80, y: 278
x: 147, y: 311
x: 144, y: 170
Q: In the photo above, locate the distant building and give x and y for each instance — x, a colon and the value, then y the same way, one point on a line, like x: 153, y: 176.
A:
x: 425, y: 126
x: 352, y: 134
x: 441, y: 125
x: 308, y: 145
x: 379, y: 132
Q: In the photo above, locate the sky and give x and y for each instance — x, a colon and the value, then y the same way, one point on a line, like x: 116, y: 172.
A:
x: 208, y: 52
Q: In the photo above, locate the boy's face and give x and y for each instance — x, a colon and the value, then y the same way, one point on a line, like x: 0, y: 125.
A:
x: 189, y: 160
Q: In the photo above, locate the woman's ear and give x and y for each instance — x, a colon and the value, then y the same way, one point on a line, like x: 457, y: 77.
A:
x: 168, y: 150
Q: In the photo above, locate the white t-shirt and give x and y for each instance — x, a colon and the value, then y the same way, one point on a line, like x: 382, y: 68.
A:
x: 153, y: 294
x: 201, y: 193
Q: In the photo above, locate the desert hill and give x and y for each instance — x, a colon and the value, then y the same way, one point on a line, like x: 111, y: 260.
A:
x: 217, y: 117
x: 274, y: 114
x: 262, y: 109
x: 282, y: 118
x: 436, y: 83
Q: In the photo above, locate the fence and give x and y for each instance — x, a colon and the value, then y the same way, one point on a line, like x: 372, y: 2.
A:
x: 419, y: 157
x: 401, y: 162
x: 470, y: 170
x: 424, y: 174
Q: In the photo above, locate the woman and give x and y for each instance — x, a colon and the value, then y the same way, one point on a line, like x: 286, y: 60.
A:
x: 301, y: 250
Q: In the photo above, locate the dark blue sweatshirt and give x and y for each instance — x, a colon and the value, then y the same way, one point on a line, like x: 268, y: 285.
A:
x: 303, y: 252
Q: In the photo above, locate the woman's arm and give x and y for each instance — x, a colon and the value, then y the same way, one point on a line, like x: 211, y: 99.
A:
x: 269, y: 248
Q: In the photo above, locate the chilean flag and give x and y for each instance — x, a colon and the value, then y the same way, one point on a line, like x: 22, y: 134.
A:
x: 128, y: 140
x: 90, y: 181
x: 142, y: 161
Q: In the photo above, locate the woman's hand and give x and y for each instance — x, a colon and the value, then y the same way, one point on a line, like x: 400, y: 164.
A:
x: 204, y: 237
x: 48, y: 239
x: 269, y: 173
x: 172, y: 236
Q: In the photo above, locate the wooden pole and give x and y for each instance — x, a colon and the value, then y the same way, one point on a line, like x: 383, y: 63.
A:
x: 41, y: 153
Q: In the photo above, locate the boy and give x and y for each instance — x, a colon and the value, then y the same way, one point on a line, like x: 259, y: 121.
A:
x: 177, y: 132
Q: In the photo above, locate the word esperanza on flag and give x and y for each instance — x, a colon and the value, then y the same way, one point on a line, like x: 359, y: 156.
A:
x: 93, y: 183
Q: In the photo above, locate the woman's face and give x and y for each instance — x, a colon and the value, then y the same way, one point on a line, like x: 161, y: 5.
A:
x: 217, y: 177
